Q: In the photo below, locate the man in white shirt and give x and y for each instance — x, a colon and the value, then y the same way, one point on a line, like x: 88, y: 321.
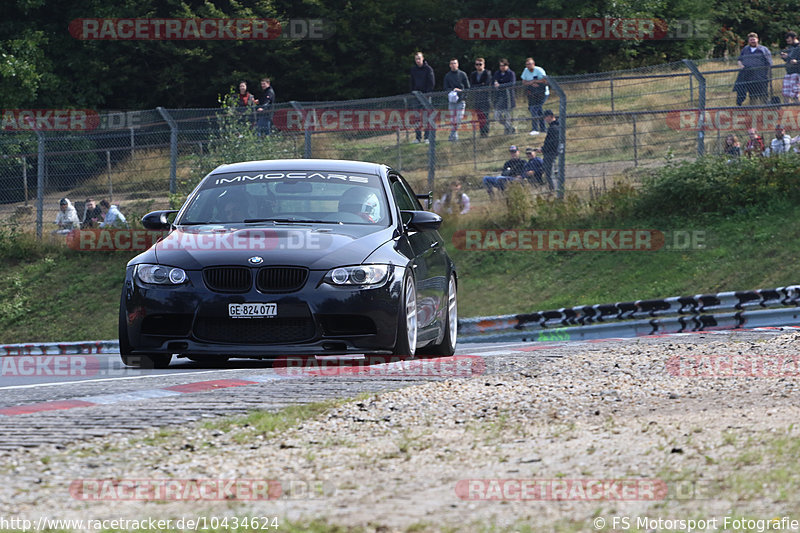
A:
x: 781, y: 144
x: 535, y: 81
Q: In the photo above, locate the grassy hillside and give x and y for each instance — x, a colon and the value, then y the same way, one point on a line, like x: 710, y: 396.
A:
x: 49, y: 293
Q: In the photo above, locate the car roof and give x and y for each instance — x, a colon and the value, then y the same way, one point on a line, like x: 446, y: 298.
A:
x: 329, y: 165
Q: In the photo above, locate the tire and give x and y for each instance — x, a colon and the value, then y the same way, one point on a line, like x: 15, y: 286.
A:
x: 136, y: 361
x: 406, y: 342
x: 447, y: 347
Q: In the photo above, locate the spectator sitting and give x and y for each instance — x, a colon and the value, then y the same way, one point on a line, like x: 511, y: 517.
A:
x: 91, y: 214
x: 446, y: 202
x: 732, y: 147
x: 67, y: 219
x: 111, y: 216
x: 512, y: 170
x: 534, y: 167
x: 781, y: 144
x: 755, y: 145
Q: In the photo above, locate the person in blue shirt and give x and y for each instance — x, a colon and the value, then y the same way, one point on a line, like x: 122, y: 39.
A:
x: 113, y: 218
x: 535, y: 81
x: 755, y: 64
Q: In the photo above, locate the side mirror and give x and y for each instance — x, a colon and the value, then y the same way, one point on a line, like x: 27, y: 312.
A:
x: 428, y: 197
x: 421, y: 220
x: 157, y: 220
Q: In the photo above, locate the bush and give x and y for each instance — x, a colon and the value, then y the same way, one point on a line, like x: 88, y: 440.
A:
x: 712, y: 185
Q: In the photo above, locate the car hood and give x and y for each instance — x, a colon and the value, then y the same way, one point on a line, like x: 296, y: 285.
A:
x: 318, y: 248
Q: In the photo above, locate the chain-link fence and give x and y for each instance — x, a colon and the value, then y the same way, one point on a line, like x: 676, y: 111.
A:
x: 612, y: 124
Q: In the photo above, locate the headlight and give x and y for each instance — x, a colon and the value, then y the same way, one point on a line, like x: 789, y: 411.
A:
x: 358, y: 275
x: 160, y: 275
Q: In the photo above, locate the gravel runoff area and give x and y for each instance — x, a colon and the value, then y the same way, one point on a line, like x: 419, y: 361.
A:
x: 665, y: 434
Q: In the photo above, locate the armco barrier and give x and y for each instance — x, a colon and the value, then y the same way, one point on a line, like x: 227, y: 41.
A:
x: 679, y: 314
x: 702, y: 312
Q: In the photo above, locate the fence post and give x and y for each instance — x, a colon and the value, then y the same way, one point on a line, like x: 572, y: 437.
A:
x: 173, y: 149
x: 108, y: 170
x: 133, y: 142
x: 307, y: 149
x: 635, y: 145
x: 25, y: 177
x: 399, y: 151
x: 701, y: 105
x: 611, y: 81
x: 39, y: 184
x: 562, y: 135
x: 427, y: 115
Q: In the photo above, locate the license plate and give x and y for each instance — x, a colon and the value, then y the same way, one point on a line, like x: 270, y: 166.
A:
x: 252, y: 310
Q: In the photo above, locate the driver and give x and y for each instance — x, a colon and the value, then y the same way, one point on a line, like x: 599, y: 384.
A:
x: 361, y: 201
x: 230, y: 207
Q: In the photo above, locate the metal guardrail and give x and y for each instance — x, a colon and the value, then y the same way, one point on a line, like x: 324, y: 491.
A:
x: 678, y: 314
x: 701, y: 312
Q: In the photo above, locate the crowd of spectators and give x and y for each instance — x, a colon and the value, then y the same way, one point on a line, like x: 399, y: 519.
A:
x: 104, y: 215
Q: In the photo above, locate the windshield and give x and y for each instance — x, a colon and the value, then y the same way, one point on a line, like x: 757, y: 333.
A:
x: 288, y: 197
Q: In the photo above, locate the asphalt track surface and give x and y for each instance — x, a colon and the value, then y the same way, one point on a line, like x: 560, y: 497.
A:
x: 75, y: 397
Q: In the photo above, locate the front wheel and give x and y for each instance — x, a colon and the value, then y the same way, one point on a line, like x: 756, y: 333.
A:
x: 448, y: 345
x: 406, y: 343
x: 136, y: 361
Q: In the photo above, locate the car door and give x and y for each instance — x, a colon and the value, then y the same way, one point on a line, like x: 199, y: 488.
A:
x: 429, y: 264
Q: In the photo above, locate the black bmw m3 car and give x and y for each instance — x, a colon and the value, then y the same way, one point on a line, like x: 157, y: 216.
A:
x: 291, y: 257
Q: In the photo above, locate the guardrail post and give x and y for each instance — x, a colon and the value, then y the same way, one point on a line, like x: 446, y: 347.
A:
x: 306, y: 130
x: 427, y: 115
x: 701, y: 105
x: 562, y: 135
x: 173, y: 149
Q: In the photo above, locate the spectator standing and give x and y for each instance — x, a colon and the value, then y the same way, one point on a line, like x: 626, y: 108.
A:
x: 91, y: 214
x: 550, y: 147
x: 791, y: 81
x: 755, y: 144
x: 754, y: 62
x: 445, y: 204
x: 503, y: 82
x: 512, y: 171
x: 535, y: 81
x: 781, y: 144
x: 479, y: 79
x: 265, y: 101
x: 534, y: 167
x: 455, y: 83
x: 422, y: 80
x: 112, y: 217
x: 244, y: 102
x: 67, y: 219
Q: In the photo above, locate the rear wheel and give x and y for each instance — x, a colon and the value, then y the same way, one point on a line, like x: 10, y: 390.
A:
x: 136, y: 361
x: 448, y: 345
x: 406, y: 343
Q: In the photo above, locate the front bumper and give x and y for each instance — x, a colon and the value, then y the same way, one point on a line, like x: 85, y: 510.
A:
x: 190, y: 319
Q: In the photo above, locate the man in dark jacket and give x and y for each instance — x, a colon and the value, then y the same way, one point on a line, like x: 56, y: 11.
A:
x: 550, y: 146
x: 504, y: 80
x: 791, y: 56
x: 755, y: 62
x: 265, y: 100
x: 512, y: 171
x: 422, y: 80
x: 481, y: 78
